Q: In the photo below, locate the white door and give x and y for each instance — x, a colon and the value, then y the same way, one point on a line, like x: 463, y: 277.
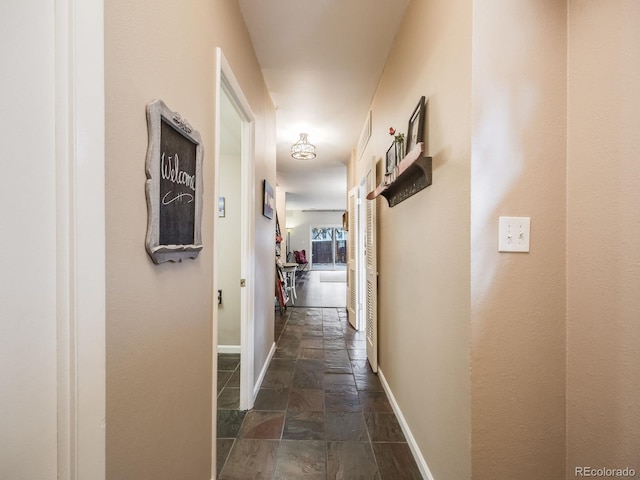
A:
x: 352, y: 282
x: 371, y: 294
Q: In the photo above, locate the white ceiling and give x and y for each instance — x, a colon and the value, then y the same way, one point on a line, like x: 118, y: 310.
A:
x: 321, y: 60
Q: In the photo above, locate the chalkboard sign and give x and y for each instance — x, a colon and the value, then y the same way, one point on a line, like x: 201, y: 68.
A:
x: 173, y: 187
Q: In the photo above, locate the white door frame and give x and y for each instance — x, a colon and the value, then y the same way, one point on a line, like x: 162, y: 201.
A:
x: 361, y: 261
x: 353, y: 289
x: 226, y: 80
x: 80, y: 225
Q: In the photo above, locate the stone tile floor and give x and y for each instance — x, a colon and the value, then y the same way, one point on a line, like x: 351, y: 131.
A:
x: 321, y: 412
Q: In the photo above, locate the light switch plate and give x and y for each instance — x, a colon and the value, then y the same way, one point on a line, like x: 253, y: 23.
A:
x: 513, y: 234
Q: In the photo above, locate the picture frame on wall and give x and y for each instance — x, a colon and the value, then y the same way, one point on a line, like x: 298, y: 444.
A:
x: 268, y: 204
x: 391, y: 158
x: 174, y: 186
x: 415, y: 130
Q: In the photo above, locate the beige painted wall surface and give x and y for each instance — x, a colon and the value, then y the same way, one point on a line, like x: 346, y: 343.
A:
x: 518, y: 299
x: 265, y: 231
x: 281, y: 208
x: 423, y: 247
x: 159, y: 318
x: 603, y: 334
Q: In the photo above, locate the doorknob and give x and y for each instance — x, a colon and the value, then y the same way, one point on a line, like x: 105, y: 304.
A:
x: 243, y: 282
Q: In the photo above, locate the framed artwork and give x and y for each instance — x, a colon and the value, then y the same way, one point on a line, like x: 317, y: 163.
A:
x: 221, y: 210
x: 415, y: 130
x: 173, y: 187
x: 392, y: 159
x: 268, y: 204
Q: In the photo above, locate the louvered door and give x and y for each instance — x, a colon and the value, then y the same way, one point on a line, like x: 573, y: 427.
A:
x: 371, y: 289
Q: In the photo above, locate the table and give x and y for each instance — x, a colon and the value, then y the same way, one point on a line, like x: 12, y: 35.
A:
x: 289, y: 269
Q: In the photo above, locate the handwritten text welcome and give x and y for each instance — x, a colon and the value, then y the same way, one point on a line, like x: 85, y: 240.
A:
x: 170, y: 170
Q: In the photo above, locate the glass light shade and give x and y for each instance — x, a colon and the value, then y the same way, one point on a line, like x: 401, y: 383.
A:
x: 302, y: 149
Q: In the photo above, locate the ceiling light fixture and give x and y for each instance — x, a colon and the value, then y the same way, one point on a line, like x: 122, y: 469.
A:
x: 302, y: 149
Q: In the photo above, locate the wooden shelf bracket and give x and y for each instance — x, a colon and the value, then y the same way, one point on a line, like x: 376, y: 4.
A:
x: 414, y: 173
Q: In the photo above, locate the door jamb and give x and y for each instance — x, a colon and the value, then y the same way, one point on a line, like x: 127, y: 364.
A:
x: 227, y: 80
x: 80, y: 225
x: 361, y: 270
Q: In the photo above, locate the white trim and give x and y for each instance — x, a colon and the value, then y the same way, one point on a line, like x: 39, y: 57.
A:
x: 417, y: 454
x: 361, y: 259
x: 229, y: 349
x: 80, y: 225
x: 263, y: 372
x: 225, y: 79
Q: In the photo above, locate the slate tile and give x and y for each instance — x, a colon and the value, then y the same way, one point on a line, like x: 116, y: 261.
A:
x: 312, y: 354
x: 345, y: 426
x: 308, y: 379
x: 384, y: 427
x: 228, y: 361
x: 342, y: 400
x: 301, y: 459
x: 229, y: 422
x: 395, y: 461
x: 251, y: 459
x: 229, y: 399
x: 272, y: 399
x: 375, y: 402
x: 369, y: 382
x: 223, y: 447
x: 264, y: 425
x: 339, y: 379
x: 351, y: 461
x: 306, y: 400
x: 304, y: 426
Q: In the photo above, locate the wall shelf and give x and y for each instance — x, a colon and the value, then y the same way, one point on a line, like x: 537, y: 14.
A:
x: 414, y: 173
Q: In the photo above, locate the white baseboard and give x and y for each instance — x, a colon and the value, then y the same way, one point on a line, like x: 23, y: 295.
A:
x: 417, y: 454
x: 229, y: 349
x: 263, y: 372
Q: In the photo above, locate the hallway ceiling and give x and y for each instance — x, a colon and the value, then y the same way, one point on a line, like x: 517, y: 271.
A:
x: 321, y: 61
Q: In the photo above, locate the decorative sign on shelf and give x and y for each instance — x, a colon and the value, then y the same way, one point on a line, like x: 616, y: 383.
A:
x: 173, y: 186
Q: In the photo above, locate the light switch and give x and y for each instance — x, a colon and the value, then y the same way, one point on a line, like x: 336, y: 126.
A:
x: 513, y: 234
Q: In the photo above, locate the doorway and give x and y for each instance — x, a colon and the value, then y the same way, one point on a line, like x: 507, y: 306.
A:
x: 233, y: 268
x: 362, y: 264
x: 228, y: 273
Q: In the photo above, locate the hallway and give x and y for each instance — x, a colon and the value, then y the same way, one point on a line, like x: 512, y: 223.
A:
x: 320, y: 414
x: 317, y: 288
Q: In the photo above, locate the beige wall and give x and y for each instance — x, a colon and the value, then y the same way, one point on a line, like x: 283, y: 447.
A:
x: 423, y: 243
x: 159, y: 317
x: 518, y: 299
x: 281, y: 208
x: 603, y: 202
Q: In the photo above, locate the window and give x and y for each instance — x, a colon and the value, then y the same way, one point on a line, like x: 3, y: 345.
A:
x: 328, y: 246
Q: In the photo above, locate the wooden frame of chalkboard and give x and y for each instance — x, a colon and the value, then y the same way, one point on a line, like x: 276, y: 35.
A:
x: 173, y: 186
